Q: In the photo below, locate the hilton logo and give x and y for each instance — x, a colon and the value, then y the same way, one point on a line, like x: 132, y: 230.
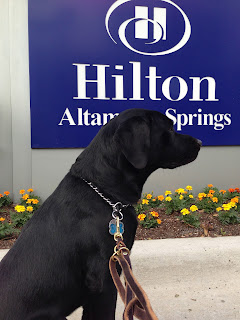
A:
x: 142, y: 22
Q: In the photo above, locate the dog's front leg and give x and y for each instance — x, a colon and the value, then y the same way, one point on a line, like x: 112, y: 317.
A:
x: 101, y: 306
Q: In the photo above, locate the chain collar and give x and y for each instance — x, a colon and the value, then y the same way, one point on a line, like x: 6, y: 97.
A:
x: 117, y: 207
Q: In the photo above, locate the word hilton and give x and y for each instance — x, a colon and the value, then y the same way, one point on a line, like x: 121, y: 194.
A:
x: 218, y: 121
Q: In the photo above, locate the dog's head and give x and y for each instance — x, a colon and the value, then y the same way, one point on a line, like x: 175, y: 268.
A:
x: 134, y: 144
x: 147, y: 138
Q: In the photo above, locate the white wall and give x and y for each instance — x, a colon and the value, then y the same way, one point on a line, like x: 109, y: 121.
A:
x: 21, y: 167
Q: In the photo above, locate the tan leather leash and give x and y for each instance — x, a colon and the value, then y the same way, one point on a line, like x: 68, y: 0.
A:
x: 133, y: 296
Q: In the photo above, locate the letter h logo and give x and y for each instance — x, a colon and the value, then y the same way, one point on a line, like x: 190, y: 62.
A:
x: 159, y: 23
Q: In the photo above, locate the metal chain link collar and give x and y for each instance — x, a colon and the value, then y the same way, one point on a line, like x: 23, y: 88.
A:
x: 117, y: 207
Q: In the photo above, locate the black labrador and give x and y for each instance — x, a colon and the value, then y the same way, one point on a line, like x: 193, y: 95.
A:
x: 60, y: 260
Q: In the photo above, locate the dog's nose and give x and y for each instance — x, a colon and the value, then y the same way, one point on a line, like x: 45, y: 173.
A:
x: 199, y: 142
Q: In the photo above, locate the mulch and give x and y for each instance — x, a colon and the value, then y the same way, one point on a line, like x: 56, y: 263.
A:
x: 171, y: 227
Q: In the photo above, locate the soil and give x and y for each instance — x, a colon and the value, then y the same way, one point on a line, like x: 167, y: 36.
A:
x: 171, y: 227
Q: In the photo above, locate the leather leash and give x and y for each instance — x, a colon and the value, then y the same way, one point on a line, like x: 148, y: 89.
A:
x: 133, y: 296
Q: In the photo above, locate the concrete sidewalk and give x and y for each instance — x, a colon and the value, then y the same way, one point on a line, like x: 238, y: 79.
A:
x: 194, y: 278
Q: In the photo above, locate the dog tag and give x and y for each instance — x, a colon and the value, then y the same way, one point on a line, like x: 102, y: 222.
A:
x: 113, y: 227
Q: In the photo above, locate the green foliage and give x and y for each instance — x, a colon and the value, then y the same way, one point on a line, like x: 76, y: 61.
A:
x: 192, y: 218
x: 5, y: 200
x: 229, y: 217
x: 20, y: 218
x: 6, y: 228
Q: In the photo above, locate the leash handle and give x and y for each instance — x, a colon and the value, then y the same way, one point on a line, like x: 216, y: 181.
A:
x: 133, y: 296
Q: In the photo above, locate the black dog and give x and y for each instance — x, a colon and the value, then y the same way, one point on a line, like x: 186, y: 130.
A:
x: 60, y: 260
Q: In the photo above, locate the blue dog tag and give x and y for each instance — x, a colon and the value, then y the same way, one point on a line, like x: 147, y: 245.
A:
x: 113, y: 227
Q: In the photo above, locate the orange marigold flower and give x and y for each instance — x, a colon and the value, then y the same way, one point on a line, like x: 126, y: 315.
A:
x: 161, y: 198
x: 215, y: 199
x: 237, y: 189
x: 210, y: 185
x: 231, y: 190
x: 210, y: 195
x: 149, y: 196
x: 22, y: 191
x: 2, y: 219
x: 25, y: 197
x: 30, y: 190
x: 154, y: 214
x: 1, y: 195
x: 154, y: 200
x: 141, y: 217
x: 35, y: 201
x: 159, y: 221
x: 235, y: 200
x: 7, y: 193
x: 222, y: 191
x: 211, y: 191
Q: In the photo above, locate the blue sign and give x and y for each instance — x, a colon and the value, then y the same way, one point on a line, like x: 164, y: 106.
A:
x: 90, y: 60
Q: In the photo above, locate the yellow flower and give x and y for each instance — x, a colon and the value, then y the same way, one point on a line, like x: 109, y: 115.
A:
x: 161, y: 198
x: 219, y: 209
x: 2, y: 219
x: 153, y: 200
x: 185, y: 211
x: 141, y: 217
x: 233, y: 205
x: 144, y: 201
x: 159, y: 221
x: 154, y: 214
x: 30, y: 190
x: 189, y: 188
x: 25, y: 197
x: 226, y: 206
x: 191, y: 196
x: 168, y: 192
x: 22, y: 191
x: 35, y: 201
x: 20, y: 208
x: 202, y: 195
x: 181, y: 197
x: 149, y: 196
x: 30, y: 209
x: 168, y: 199
x: 193, y: 208
x: 29, y: 201
x: 180, y: 191
x: 215, y: 199
x: 6, y: 193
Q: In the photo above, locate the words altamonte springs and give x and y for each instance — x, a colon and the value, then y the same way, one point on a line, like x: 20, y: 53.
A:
x: 157, y: 88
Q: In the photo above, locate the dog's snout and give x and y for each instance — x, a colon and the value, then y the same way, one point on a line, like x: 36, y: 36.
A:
x: 199, y: 142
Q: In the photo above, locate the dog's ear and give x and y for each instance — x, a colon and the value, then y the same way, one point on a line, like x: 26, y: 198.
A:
x: 133, y: 137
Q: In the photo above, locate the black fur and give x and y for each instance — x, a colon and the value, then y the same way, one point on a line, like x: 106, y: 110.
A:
x: 60, y: 261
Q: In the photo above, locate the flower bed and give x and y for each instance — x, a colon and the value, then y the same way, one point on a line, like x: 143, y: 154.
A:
x: 13, y: 217
x: 212, y: 212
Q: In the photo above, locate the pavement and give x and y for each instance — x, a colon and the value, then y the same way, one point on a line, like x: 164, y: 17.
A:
x: 192, y: 278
